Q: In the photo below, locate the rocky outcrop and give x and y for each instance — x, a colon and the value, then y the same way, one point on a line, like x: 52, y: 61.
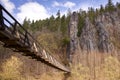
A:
x: 87, y: 40
x: 102, y: 36
x: 73, y: 32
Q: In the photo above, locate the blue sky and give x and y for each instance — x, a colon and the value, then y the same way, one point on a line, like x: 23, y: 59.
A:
x: 41, y: 9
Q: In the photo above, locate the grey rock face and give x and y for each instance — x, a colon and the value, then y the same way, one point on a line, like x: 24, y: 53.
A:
x: 103, y: 38
x: 88, y: 36
x: 100, y: 35
x: 103, y: 35
x: 73, y: 32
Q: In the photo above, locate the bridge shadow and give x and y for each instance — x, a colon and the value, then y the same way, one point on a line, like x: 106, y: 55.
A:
x: 66, y: 76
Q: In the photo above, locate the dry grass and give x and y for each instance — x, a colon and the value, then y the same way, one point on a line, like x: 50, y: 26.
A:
x: 95, y: 66
x: 110, y: 70
x: 105, y: 68
x: 52, y: 76
x: 79, y: 72
x: 52, y: 44
x: 49, y: 41
x: 11, y: 69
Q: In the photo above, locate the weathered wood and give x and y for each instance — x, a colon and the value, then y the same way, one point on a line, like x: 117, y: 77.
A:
x: 1, y: 19
x: 11, y: 45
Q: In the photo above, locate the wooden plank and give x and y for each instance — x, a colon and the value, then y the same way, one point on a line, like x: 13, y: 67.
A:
x: 8, y: 41
x: 11, y: 45
x: 1, y: 19
x: 7, y: 34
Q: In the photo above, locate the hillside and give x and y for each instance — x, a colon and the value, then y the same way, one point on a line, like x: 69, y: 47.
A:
x: 86, y: 41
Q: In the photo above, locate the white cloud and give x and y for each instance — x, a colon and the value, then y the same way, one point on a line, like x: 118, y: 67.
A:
x: 67, y: 4
x: 8, y: 5
x: 32, y: 11
x: 56, y: 4
x: 84, y: 6
x: 114, y: 1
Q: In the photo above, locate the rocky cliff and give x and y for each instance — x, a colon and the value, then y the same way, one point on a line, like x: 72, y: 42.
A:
x: 101, y: 36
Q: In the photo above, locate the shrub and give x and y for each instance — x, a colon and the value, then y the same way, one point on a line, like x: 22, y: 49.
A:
x: 79, y: 72
x: 11, y: 69
x: 65, y: 41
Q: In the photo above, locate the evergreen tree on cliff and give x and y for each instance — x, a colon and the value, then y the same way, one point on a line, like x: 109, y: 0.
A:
x: 110, y: 6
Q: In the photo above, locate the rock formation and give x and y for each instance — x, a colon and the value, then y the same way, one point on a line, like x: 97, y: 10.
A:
x: 95, y: 36
x: 102, y: 36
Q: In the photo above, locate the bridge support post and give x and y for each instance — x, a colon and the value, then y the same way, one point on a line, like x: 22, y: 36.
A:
x: 15, y: 31
x: 35, y: 47
x: 1, y: 19
x: 26, y: 40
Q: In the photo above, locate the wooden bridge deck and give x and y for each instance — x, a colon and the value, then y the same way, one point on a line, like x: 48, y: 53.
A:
x: 14, y: 36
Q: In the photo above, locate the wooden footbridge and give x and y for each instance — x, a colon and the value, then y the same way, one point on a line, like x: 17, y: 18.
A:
x: 17, y: 38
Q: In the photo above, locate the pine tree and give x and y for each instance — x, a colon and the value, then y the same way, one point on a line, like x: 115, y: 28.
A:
x: 63, y: 25
x: 81, y: 19
x: 118, y: 5
x: 26, y: 23
x: 91, y: 14
x: 110, y: 3
x: 110, y: 6
x: 101, y: 9
x: 58, y: 14
x: 51, y: 26
x: 58, y: 22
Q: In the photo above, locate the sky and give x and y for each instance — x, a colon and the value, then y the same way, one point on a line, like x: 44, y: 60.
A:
x: 42, y: 9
